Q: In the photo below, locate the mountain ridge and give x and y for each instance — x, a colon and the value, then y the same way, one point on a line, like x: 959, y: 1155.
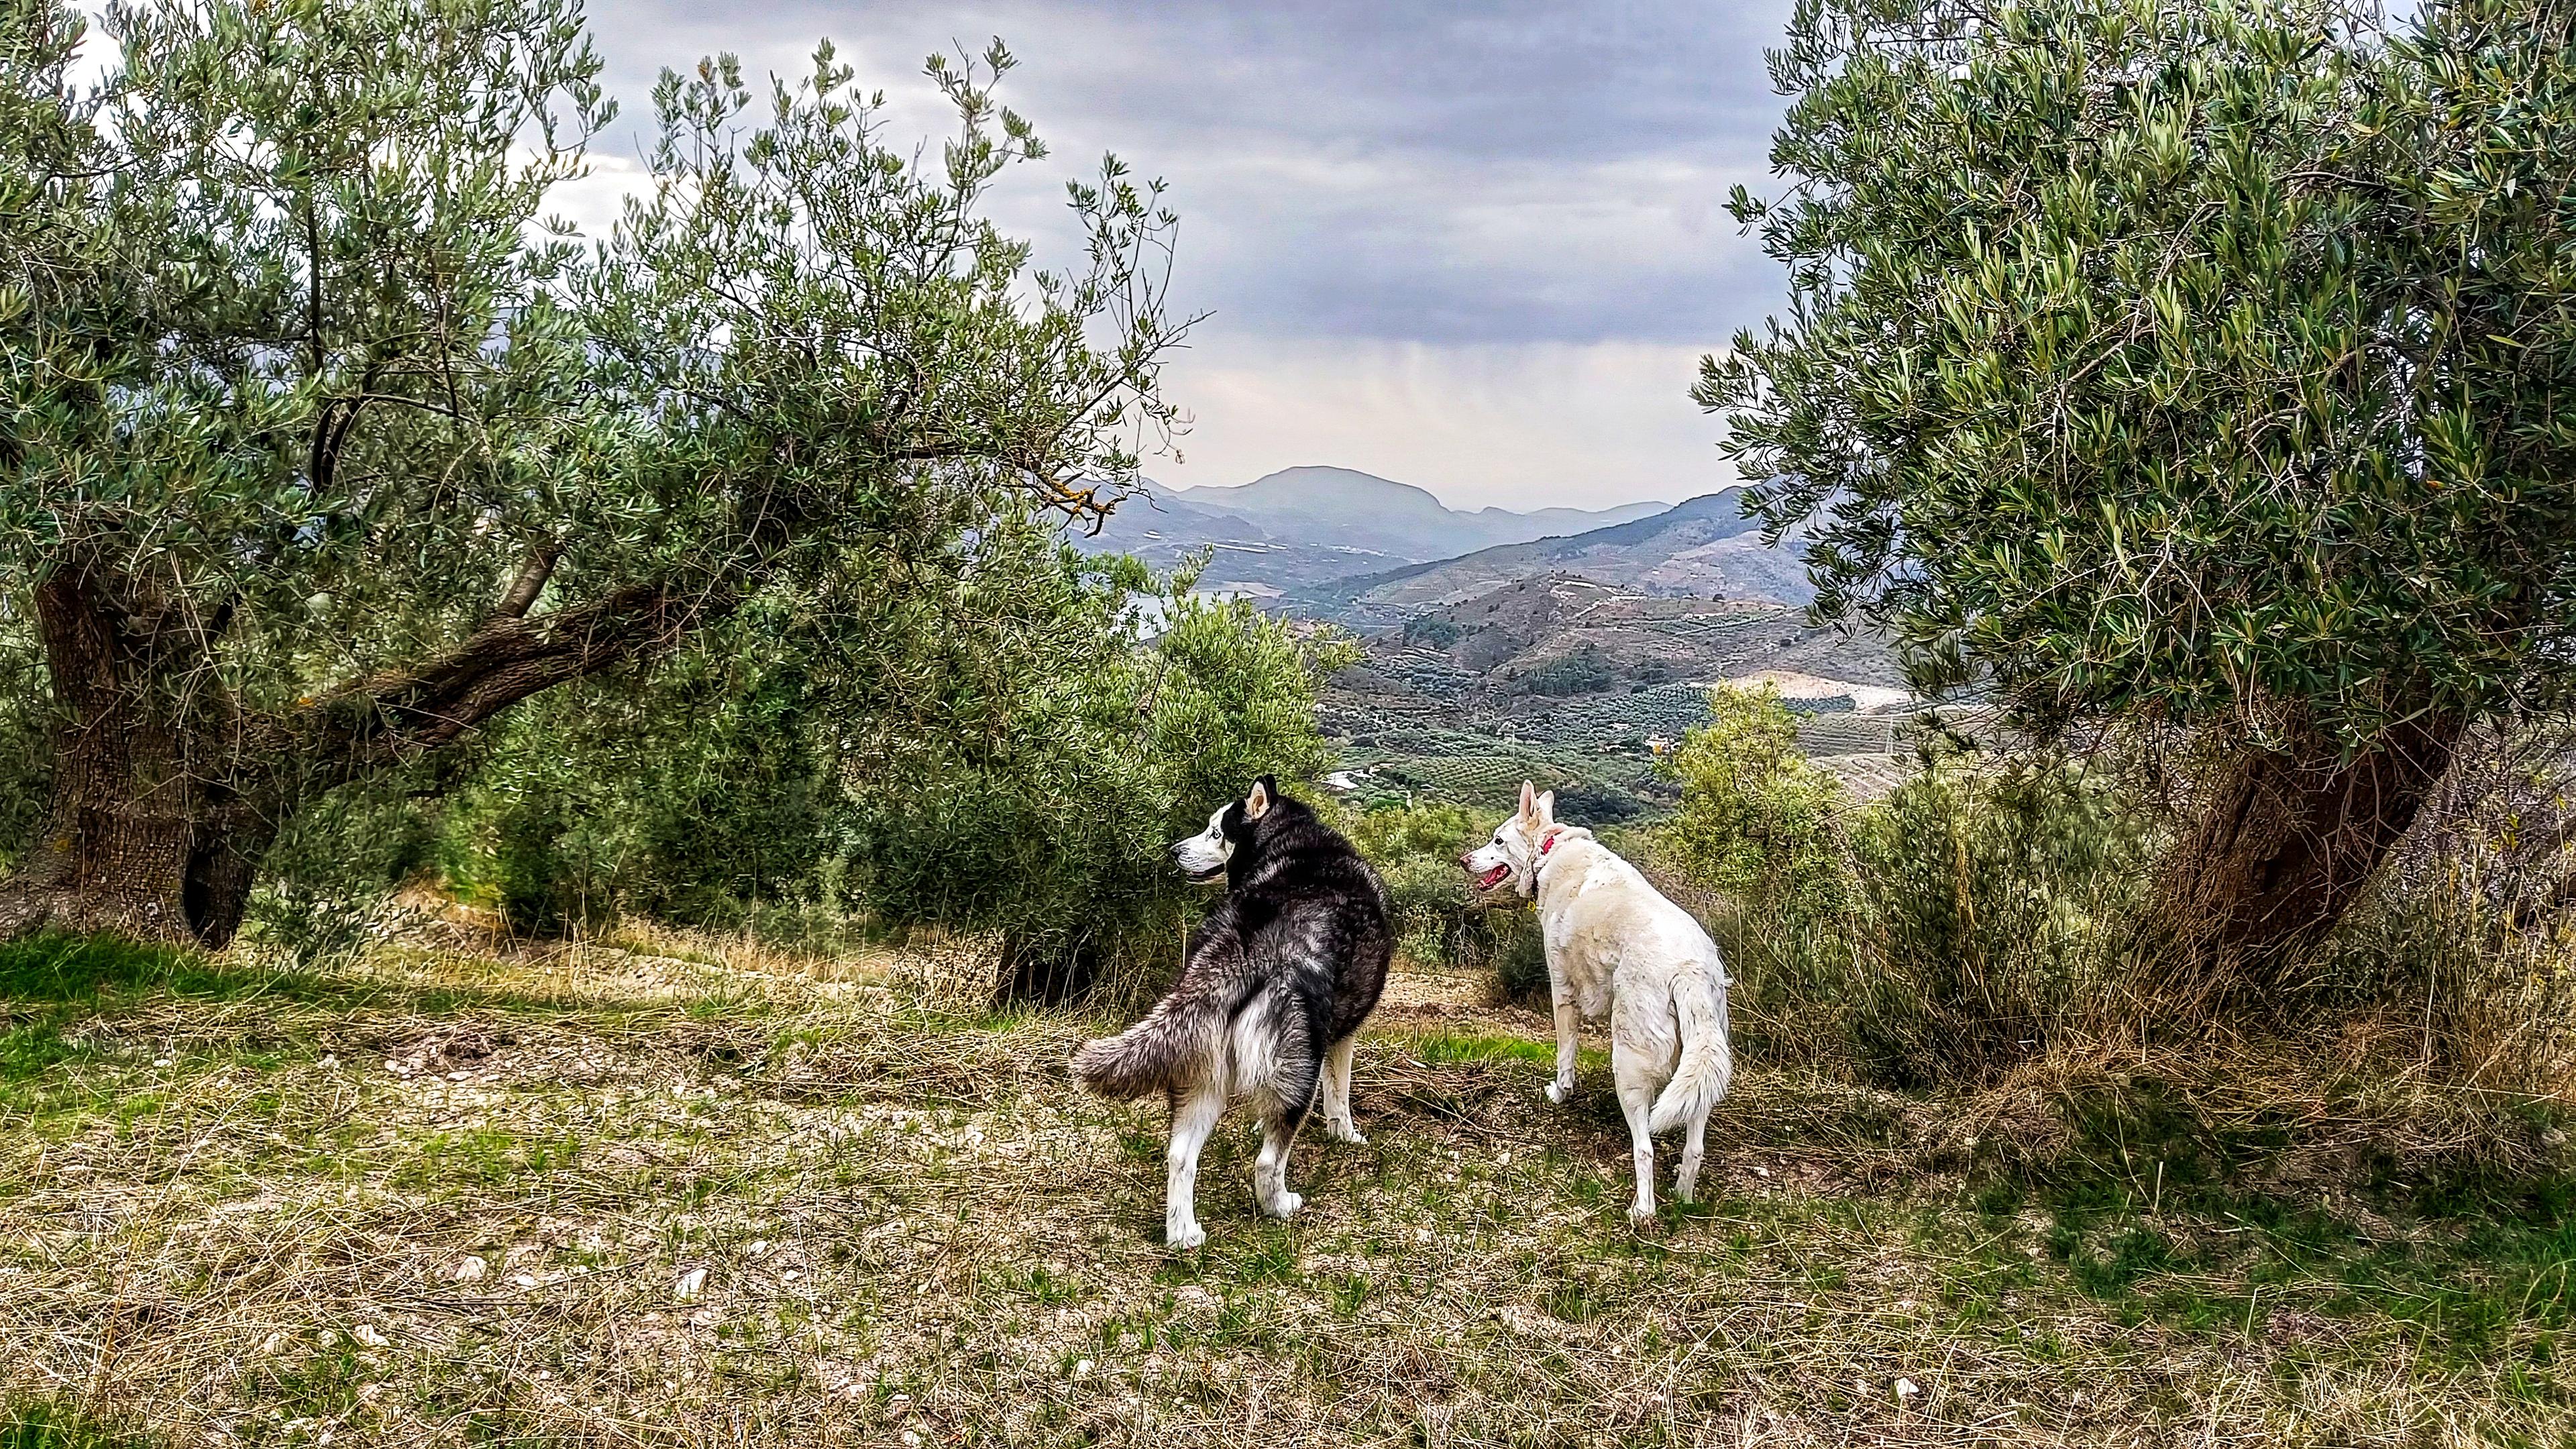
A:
x: 1299, y: 526
x: 1704, y: 546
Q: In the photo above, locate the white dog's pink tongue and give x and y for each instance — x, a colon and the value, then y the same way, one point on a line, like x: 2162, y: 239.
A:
x: 1495, y: 876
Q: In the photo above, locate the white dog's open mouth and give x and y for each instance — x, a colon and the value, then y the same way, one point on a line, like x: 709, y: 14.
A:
x: 1493, y: 878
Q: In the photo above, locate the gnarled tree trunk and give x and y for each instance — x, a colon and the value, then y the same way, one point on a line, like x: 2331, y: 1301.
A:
x: 2284, y: 844
x: 163, y: 792
x: 168, y: 792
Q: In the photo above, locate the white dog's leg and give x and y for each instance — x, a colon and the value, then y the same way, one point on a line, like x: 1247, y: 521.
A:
x: 1193, y: 1118
x: 1568, y: 1021
x: 1270, y: 1170
x: 1637, y: 1087
x: 1687, y: 1182
x: 1337, y: 1093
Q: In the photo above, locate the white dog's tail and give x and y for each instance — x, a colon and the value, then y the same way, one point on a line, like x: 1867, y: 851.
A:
x: 1169, y: 1049
x: 1708, y: 1063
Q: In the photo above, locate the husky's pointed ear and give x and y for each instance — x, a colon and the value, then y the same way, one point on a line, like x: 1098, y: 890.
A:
x: 1547, y: 810
x: 1529, y: 801
x: 1257, y: 804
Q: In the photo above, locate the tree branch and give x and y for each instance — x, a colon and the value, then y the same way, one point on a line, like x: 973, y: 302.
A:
x: 531, y: 581
x: 394, y: 717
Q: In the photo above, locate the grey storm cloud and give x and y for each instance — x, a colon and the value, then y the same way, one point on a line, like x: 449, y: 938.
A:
x: 1479, y: 248
x: 1500, y: 173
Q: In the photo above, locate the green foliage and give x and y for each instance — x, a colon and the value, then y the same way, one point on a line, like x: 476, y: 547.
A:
x: 356, y: 452
x: 1070, y: 749
x: 1991, y: 905
x: 1757, y: 818
x: 696, y: 793
x: 1438, y: 921
x: 325, y: 896
x: 1582, y: 672
x: 553, y: 860
x: 26, y: 746
x: 1232, y: 697
x: 275, y: 312
x: 2204, y: 363
x: 1431, y: 631
x: 1590, y: 803
x: 1390, y: 833
x: 1938, y: 934
x: 1520, y: 961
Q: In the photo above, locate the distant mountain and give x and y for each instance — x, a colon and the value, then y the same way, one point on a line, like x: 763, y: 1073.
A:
x: 1705, y: 547
x: 1303, y: 526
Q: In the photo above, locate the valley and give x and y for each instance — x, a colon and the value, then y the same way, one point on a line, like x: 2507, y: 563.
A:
x: 1567, y: 646
x: 1579, y: 685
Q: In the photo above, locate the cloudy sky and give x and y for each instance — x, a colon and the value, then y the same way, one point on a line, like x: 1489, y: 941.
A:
x: 1476, y: 247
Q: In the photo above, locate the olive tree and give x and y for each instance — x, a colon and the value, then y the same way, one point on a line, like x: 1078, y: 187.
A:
x: 2204, y: 367
x: 320, y: 447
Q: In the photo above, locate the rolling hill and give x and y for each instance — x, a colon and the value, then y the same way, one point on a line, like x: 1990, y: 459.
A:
x: 1702, y: 548
x: 1303, y: 526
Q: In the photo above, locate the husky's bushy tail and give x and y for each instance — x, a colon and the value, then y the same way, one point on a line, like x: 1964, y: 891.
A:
x: 1708, y: 1063
x: 1168, y: 1050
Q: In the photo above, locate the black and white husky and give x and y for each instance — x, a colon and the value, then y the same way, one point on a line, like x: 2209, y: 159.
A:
x: 1279, y: 977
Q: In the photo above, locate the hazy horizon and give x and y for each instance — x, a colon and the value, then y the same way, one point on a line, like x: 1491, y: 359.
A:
x: 1445, y: 501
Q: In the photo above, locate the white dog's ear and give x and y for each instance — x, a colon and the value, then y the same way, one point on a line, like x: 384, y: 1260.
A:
x: 1547, y: 810
x: 1529, y: 801
x: 1257, y: 804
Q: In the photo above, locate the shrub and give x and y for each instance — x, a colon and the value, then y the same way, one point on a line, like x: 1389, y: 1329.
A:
x: 1757, y: 817
x: 1520, y: 962
x: 26, y: 749
x: 1438, y: 920
x: 1593, y: 803
x: 1938, y: 934
x: 1430, y: 631
x: 1992, y: 902
x: 1582, y: 672
x: 2466, y: 940
x: 330, y: 875
x: 1073, y: 749
x: 554, y: 857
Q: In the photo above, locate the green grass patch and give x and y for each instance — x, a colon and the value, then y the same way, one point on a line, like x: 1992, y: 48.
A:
x: 484, y: 1157
x: 2158, y: 1209
x: 81, y: 968
x: 34, y: 1424
x: 88, y: 972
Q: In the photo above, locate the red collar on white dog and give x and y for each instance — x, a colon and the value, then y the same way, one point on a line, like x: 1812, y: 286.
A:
x: 1547, y: 845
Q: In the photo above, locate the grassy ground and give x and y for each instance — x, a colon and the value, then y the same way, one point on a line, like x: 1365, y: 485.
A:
x: 647, y: 1197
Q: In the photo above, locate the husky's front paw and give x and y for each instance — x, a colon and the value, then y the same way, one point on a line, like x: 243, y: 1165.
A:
x: 1559, y: 1090
x: 1346, y: 1133
x: 1185, y: 1237
x: 1285, y: 1205
x: 1641, y: 1215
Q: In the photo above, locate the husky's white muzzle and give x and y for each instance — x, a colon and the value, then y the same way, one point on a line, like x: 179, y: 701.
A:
x: 1202, y: 857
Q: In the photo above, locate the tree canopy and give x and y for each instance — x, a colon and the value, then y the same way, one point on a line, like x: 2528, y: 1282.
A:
x: 2202, y: 365
x: 323, y: 446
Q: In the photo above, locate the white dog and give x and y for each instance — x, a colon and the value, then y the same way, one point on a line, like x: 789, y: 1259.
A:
x: 1615, y: 946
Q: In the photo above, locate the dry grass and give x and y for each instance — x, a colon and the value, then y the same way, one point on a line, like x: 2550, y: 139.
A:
x: 662, y: 1192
